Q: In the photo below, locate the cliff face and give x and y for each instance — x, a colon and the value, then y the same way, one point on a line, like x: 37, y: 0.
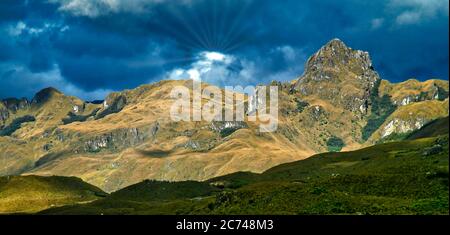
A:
x: 130, y: 136
x: 4, y: 114
x: 340, y: 75
x: 339, y: 80
x: 410, y: 117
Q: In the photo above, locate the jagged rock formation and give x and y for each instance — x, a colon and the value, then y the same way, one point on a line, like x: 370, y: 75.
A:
x: 340, y: 102
x: 4, y: 114
x: 340, y: 75
x: 14, y: 104
x: 227, y: 128
x: 114, y: 103
x: 120, y: 139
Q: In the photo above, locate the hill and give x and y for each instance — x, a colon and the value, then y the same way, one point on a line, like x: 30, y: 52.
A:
x: 435, y: 128
x: 29, y: 194
x: 407, y: 177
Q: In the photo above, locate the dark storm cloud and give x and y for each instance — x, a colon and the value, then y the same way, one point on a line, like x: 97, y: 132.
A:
x: 88, y: 48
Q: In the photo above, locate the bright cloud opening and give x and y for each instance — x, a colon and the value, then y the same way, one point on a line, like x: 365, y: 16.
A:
x: 214, y: 56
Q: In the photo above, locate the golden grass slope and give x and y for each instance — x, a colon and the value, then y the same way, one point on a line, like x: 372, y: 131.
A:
x: 411, y: 88
x: 168, y: 155
x: 411, y: 117
x: 184, y: 150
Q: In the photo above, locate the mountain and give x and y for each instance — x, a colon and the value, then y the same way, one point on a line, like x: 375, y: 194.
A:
x: 401, y: 178
x: 339, y: 104
x: 341, y: 76
x: 30, y: 194
x: 27, y: 131
x: 131, y: 137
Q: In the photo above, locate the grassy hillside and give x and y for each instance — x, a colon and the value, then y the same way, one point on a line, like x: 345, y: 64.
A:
x: 163, y: 191
x: 409, y: 118
x: 408, y: 177
x: 28, y: 194
x: 435, y: 128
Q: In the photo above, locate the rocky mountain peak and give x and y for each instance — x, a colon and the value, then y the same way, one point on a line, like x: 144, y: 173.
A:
x: 336, y: 56
x: 335, y: 44
x: 343, y: 76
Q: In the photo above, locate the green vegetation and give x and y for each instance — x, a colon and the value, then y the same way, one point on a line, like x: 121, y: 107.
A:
x: 432, y: 129
x: 28, y: 194
x: 335, y: 144
x: 15, y: 125
x: 393, y: 178
x: 71, y: 117
x: 301, y: 105
x: 435, y: 128
x: 117, y: 105
x: 163, y: 191
x: 228, y: 131
x: 393, y: 137
x: 381, y: 108
x: 404, y: 177
x: 442, y: 93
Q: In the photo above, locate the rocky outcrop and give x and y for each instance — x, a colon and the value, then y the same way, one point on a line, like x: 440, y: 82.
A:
x: 227, y: 128
x: 340, y: 75
x: 398, y: 126
x: 114, y: 103
x: 413, y: 91
x: 335, y: 56
x: 193, y: 145
x: 15, y: 125
x: 435, y: 93
x: 4, y: 115
x: 74, y: 117
x: 9, y: 106
x: 14, y: 104
x: 120, y: 139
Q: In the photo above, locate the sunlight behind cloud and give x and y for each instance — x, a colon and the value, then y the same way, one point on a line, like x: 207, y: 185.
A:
x: 214, y: 56
x: 217, y: 69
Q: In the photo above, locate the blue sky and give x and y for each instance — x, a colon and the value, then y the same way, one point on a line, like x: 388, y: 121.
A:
x: 89, y: 48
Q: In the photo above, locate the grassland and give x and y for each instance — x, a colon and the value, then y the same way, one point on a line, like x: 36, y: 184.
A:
x: 407, y: 177
x: 29, y: 194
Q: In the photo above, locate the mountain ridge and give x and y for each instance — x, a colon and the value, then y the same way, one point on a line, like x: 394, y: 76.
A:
x: 130, y: 136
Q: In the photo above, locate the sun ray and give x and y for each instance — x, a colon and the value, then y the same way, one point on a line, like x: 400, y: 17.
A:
x: 200, y: 28
x: 237, y: 19
x: 215, y: 26
x: 237, y: 45
x: 177, y: 15
x: 203, y: 19
x: 182, y: 39
x: 234, y: 38
x: 225, y: 10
